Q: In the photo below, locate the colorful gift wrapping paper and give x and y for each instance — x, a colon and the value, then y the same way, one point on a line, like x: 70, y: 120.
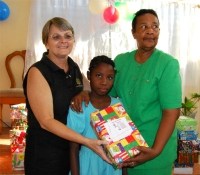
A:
x: 17, y: 146
x: 114, y: 125
x: 188, y: 152
x: 18, y: 116
x: 187, y: 135
x: 186, y: 123
x: 18, y: 161
x: 188, y: 145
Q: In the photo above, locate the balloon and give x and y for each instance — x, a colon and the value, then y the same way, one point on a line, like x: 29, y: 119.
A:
x: 4, y: 11
x: 97, y: 6
x: 111, y: 15
x: 130, y: 16
x: 121, y: 7
x: 131, y: 8
x: 124, y: 10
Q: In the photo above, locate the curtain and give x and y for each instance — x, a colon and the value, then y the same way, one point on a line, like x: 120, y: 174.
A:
x: 179, y: 33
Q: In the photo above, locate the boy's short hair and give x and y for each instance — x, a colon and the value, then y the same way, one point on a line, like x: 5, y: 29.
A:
x: 100, y: 59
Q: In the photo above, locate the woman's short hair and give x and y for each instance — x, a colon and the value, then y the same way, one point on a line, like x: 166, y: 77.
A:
x: 59, y: 22
x: 140, y: 13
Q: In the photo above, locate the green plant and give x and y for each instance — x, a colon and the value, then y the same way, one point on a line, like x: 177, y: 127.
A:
x: 189, y: 105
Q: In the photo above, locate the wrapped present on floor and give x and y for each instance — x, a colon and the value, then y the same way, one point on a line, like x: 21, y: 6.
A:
x: 18, y: 144
x: 188, y: 152
x: 187, y: 158
x: 18, y: 160
x: 187, y: 135
x: 18, y: 116
x: 188, y: 145
x: 198, y: 144
x: 114, y: 125
x: 186, y: 124
x: 19, y: 125
x: 182, y: 168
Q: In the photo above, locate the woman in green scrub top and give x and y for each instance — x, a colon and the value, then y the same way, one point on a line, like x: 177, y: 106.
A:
x: 149, y: 85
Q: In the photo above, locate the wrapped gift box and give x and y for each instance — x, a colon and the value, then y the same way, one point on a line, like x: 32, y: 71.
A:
x: 188, y: 152
x: 18, y: 116
x: 188, y: 146
x: 114, y: 125
x: 187, y: 135
x: 182, y: 168
x: 17, y: 146
x: 187, y: 158
x: 188, y: 143
x: 19, y: 125
x: 18, y: 160
x: 186, y: 123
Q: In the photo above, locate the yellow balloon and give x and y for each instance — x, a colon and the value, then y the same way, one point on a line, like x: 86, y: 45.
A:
x: 97, y: 6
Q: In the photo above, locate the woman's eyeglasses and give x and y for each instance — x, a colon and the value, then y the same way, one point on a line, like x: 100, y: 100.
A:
x: 57, y: 37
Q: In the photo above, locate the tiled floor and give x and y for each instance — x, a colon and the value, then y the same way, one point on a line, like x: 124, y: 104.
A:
x: 5, y: 155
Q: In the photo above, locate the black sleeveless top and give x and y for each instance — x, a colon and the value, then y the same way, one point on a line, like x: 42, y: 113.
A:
x: 63, y: 87
x: 42, y: 146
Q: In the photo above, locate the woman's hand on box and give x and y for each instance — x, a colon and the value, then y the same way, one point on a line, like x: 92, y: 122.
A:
x: 144, y: 154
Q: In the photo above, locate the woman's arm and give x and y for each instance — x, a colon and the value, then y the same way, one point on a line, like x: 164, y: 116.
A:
x: 164, y: 132
x: 41, y: 102
x: 76, y: 103
x: 166, y: 129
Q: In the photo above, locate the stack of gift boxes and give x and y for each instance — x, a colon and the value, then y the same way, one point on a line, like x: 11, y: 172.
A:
x: 18, y: 116
x: 188, y: 142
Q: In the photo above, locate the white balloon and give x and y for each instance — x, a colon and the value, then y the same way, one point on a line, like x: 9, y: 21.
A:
x: 97, y: 6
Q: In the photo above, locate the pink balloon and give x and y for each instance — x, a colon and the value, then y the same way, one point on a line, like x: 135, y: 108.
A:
x: 111, y: 15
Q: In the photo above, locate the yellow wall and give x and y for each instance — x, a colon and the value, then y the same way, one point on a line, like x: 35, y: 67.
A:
x: 13, y: 36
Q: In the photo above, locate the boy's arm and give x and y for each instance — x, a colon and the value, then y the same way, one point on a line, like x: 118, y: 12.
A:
x: 74, y: 158
x: 124, y: 171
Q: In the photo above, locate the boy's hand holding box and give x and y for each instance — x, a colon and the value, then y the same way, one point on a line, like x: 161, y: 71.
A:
x: 114, y: 125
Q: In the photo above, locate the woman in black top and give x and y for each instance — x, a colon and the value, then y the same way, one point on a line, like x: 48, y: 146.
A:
x: 49, y: 87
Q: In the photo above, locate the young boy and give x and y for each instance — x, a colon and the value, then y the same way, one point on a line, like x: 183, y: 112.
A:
x: 84, y: 161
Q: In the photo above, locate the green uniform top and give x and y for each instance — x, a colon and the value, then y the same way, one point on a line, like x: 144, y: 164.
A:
x: 145, y: 90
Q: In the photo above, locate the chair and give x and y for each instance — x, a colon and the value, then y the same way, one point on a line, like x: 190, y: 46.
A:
x: 14, y: 94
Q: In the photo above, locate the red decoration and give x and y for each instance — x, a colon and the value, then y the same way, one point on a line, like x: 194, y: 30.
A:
x: 111, y: 15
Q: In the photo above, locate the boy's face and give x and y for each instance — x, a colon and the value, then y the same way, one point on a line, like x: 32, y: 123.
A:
x: 101, y: 79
